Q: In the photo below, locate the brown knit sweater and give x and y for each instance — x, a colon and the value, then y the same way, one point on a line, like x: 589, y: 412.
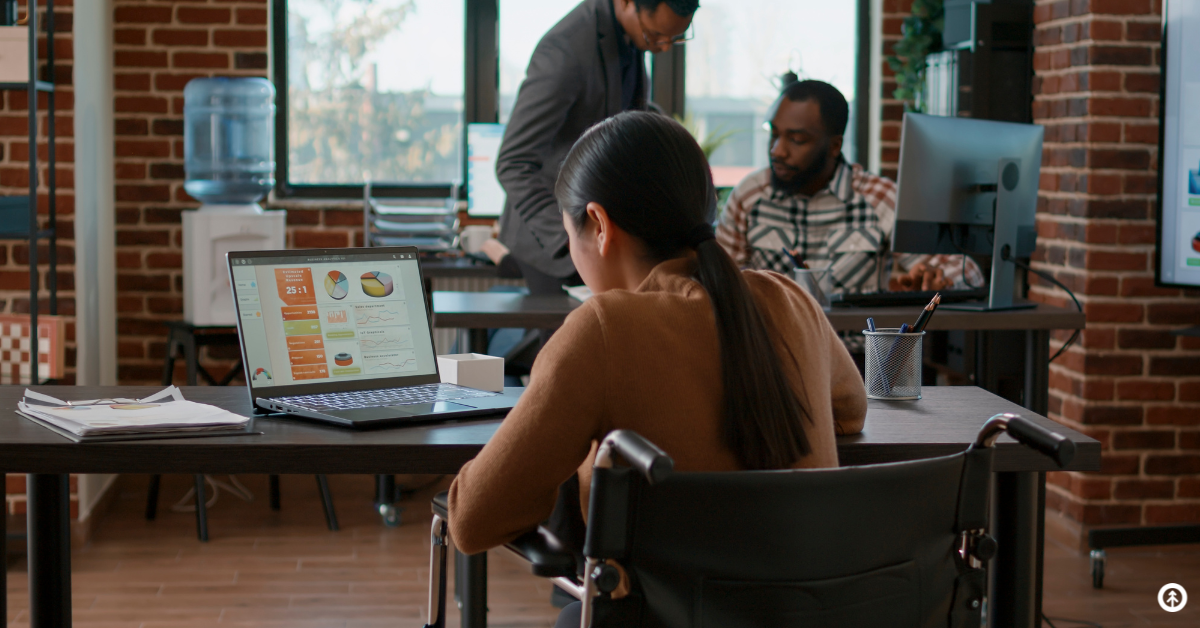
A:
x: 646, y: 360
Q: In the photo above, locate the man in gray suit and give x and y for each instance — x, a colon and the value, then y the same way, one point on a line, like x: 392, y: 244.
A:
x: 588, y: 67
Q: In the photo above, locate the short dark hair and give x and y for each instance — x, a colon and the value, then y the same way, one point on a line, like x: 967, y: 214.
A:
x: 682, y: 8
x: 835, y: 111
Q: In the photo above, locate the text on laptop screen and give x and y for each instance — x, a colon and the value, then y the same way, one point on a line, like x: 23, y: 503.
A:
x: 332, y: 318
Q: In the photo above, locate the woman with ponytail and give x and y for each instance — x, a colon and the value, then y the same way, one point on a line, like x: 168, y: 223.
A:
x: 723, y: 369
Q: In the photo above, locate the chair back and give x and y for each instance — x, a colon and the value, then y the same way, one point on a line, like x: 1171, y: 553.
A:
x: 855, y: 546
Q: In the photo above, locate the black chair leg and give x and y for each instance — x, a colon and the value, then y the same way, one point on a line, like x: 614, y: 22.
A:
x: 273, y: 481
x: 327, y: 503
x: 152, y: 498
x: 201, y: 514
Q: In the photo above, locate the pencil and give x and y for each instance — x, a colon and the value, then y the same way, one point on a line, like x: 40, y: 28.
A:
x: 870, y: 324
x: 927, y: 313
x: 796, y: 261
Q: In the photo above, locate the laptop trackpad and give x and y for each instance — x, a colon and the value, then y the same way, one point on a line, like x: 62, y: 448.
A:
x: 437, y: 407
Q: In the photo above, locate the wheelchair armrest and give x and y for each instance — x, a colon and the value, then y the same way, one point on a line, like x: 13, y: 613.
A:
x: 441, y: 505
x: 546, y: 558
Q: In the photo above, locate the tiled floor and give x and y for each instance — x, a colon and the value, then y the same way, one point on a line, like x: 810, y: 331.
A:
x: 268, y: 569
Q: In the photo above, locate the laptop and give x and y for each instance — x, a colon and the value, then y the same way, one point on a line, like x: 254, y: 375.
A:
x: 344, y: 336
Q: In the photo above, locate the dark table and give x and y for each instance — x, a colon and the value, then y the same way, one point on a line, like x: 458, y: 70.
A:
x: 944, y: 422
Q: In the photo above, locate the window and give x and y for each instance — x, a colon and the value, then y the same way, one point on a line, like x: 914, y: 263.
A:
x: 740, y: 50
x: 382, y: 90
x: 522, y: 25
x: 374, y: 91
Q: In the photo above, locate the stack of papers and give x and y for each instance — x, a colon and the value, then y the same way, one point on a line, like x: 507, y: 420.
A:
x: 165, y: 414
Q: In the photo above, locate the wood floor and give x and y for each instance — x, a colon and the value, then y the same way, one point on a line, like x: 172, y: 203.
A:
x: 284, y: 569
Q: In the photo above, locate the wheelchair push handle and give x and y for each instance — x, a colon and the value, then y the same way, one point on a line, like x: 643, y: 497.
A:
x: 1050, y: 443
x: 640, y: 453
x: 1030, y: 434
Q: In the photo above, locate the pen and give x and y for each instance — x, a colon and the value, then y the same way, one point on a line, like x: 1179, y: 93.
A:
x: 799, y: 263
x: 927, y: 313
x: 904, y: 328
x: 870, y: 324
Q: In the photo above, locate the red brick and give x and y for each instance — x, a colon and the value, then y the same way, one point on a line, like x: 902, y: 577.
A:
x: 143, y: 148
x: 140, y: 104
x: 1189, y: 391
x: 1189, y: 440
x: 1104, y: 514
x: 342, y: 218
x: 1137, y: 133
x: 197, y: 15
x: 1141, y: 338
x: 1173, y: 313
x: 165, y: 260
x: 173, y: 82
x: 1089, y: 487
x: 1143, y: 439
x: 143, y: 283
x: 180, y: 37
x: 1172, y: 464
x: 14, y: 280
x: 213, y: 60
x: 131, y: 82
x: 1111, y: 260
x: 1174, y: 366
x: 1140, y: 390
x: 142, y: 15
x: 1173, y: 415
x: 1113, y: 312
x: 1160, y: 514
x: 240, y: 38
x: 136, y: 193
x: 1189, y: 487
x: 129, y: 36
x: 1144, y: 489
x: 1112, y: 364
x: 140, y: 59
x: 1111, y: 415
x: 130, y: 171
x: 1144, y: 287
x: 1118, y: 464
x: 305, y: 217
x: 129, y: 259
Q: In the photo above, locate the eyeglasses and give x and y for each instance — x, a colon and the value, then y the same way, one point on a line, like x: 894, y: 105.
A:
x: 659, y: 38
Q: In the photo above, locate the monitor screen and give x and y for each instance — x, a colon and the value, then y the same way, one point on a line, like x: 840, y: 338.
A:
x: 320, y: 318
x: 1179, y: 153
x: 485, y: 196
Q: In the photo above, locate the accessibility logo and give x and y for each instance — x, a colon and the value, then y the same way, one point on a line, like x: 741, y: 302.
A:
x: 1172, y: 597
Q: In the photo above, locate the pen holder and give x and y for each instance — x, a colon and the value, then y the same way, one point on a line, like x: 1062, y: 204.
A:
x: 811, y: 281
x: 893, y: 364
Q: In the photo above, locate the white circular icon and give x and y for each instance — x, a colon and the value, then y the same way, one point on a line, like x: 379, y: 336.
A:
x: 1172, y: 597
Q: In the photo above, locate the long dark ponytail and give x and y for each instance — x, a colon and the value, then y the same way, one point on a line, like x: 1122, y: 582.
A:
x: 653, y: 180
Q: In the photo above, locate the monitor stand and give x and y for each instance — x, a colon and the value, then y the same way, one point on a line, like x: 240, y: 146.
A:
x: 1004, y: 244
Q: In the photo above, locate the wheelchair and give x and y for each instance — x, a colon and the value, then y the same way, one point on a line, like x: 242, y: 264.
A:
x: 899, y: 544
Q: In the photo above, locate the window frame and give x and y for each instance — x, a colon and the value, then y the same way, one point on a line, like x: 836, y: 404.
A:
x: 481, y: 97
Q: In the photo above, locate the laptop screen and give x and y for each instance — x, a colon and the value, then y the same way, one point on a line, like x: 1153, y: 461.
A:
x: 326, y: 317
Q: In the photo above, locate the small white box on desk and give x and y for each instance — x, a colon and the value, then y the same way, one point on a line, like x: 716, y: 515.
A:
x: 473, y: 370
x: 14, y: 54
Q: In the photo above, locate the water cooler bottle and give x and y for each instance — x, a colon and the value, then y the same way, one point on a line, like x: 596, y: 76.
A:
x: 228, y: 139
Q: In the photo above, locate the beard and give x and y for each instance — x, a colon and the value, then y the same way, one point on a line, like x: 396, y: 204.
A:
x: 802, y: 177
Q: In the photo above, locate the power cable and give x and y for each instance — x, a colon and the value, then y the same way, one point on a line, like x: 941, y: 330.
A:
x: 1058, y: 283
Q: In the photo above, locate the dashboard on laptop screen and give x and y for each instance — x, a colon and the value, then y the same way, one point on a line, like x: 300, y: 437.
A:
x: 323, y: 319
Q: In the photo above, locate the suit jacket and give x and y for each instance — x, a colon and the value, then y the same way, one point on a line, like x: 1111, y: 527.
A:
x: 573, y: 82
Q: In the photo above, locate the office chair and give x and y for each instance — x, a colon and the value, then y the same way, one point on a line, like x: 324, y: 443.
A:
x: 898, y: 544
x: 202, y: 512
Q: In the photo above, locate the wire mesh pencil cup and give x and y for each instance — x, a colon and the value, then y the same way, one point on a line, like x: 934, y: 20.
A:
x: 893, y: 364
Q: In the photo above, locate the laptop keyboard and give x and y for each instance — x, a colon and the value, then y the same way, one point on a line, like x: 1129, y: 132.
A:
x: 426, y: 393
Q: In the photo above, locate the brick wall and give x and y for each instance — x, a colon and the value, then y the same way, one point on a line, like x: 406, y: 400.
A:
x: 892, y: 110
x: 1129, y: 383
x: 158, y: 47
x: 14, y: 181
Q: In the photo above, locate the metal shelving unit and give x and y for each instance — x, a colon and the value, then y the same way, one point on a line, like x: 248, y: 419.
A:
x: 32, y: 231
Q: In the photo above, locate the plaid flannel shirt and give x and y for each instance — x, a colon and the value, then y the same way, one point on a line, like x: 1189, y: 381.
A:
x: 846, y: 228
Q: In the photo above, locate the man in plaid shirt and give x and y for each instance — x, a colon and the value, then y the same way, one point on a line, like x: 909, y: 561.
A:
x: 827, y: 212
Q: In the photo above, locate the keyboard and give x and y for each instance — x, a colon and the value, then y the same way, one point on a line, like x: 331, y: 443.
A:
x: 919, y: 298
x: 378, y: 398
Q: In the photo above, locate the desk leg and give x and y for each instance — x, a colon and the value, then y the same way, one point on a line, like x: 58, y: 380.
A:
x: 190, y: 357
x: 473, y: 570
x: 1015, y: 580
x: 477, y: 340
x: 49, y: 550
x: 1037, y: 370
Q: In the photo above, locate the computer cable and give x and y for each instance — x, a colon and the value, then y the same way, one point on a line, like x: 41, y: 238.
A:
x: 1051, y: 279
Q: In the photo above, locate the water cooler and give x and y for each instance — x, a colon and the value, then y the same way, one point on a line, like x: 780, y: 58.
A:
x: 228, y: 141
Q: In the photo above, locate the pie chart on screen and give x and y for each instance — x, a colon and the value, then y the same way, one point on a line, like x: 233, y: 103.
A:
x: 336, y: 285
x: 1196, y: 243
x: 376, y: 284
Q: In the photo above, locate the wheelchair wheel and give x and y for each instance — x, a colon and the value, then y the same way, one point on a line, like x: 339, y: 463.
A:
x: 1098, y: 569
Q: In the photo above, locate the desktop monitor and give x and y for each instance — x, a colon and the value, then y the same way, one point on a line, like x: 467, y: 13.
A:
x: 969, y: 187
x: 1178, y: 260
x: 485, y: 196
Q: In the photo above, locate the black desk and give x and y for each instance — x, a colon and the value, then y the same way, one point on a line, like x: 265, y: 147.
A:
x: 945, y: 421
